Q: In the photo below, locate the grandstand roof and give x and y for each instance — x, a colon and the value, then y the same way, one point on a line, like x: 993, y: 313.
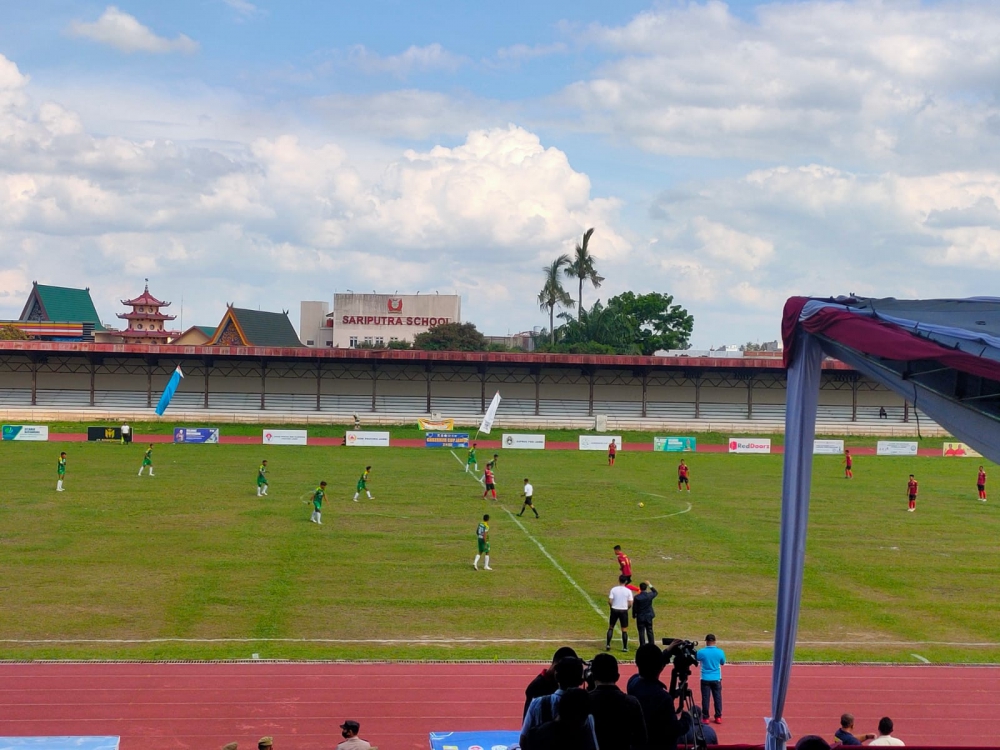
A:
x: 61, y: 303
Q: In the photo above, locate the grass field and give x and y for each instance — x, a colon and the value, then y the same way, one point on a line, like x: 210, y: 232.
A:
x: 193, y: 554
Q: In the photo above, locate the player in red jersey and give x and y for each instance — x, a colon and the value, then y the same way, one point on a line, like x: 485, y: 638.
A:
x: 911, y: 491
x: 848, y: 465
x: 682, y: 476
x: 981, y: 484
x: 624, y: 564
x: 489, y: 482
x: 612, y: 450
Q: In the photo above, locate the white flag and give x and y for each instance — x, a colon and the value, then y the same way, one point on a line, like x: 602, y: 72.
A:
x: 491, y: 414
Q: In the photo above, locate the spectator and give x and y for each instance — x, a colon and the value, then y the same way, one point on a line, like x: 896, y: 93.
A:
x: 349, y: 729
x: 711, y: 738
x: 642, y: 611
x: 545, y: 683
x: 845, y: 735
x: 663, y: 727
x: 571, y: 729
x: 710, y: 661
x: 618, y: 721
x: 230, y: 746
x: 265, y: 743
x: 885, y: 737
x: 812, y: 742
x: 569, y: 675
x: 882, y: 413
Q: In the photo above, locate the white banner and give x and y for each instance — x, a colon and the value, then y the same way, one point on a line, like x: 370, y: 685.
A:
x: 369, y: 439
x: 528, y: 442
x: 828, y: 447
x: 892, y: 448
x: 285, y: 437
x: 749, y: 445
x: 599, y: 442
x: 491, y: 414
x: 25, y: 432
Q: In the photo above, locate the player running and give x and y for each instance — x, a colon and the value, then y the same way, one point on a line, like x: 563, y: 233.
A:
x: 147, y: 460
x: 483, y: 540
x: 528, y: 503
x: 612, y: 451
x: 911, y: 492
x: 624, y: 564
x: 848, y: 464
x: 472, y: 460
x: 682, y: 476
x: 61, y: 471
x: 262, y: 479
x: 490, y: 482
x: 980, y: 483
x: 318, y: 497
x: 363, y: 485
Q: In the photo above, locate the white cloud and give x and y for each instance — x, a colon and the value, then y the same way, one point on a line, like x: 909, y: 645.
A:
x: 414, y: 59
x: 244, y: 8
x: 124, y: 32
x: 519, y: 53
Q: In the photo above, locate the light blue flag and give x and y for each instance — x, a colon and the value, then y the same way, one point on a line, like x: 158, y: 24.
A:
x: 168, y: 392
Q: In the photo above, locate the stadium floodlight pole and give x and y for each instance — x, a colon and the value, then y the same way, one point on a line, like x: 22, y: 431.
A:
x: 491, y: 413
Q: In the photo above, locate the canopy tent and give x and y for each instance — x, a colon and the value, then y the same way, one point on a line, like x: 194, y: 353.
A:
x: 941, y: 355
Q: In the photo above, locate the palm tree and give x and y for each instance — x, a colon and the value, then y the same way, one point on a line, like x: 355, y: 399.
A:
x: 582, y: 268
x: 552, y: 293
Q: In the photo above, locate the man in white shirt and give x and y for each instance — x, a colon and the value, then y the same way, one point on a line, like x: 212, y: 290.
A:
x: 528, y: 492
x: 885, y: 737
x: 126, y: 434
x: 620, y: 600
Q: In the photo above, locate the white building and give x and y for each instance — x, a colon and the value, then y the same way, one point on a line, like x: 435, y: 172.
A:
x: 375, y: 319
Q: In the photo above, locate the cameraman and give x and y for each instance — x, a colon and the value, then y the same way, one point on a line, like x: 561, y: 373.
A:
x: 663, y: 726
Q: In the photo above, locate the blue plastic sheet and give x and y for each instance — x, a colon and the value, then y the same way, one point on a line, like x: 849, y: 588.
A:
x: 502, y: 740
x: 59, y: 743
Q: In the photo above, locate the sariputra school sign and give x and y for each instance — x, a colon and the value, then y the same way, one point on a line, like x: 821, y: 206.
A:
x: 389, y: 320
x: 360, y: 317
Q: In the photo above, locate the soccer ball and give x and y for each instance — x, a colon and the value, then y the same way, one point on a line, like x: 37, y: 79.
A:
x: 642, y: 505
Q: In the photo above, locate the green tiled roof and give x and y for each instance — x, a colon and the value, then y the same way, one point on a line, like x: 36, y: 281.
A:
x: 69, y: 305
x: 208, y: 330
x: 266, y: 328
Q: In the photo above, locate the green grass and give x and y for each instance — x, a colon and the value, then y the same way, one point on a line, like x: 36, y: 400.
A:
x: 193, y: 554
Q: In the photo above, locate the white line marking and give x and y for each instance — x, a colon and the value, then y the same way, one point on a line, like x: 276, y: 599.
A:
x: 590, y: 601
x: 668, y: 515
x: 920, y: 658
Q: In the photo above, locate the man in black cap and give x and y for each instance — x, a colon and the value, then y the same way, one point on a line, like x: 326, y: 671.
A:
x: 349, y: 729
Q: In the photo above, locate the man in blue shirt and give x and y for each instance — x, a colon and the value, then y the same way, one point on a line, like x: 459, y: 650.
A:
x: 710, y: 660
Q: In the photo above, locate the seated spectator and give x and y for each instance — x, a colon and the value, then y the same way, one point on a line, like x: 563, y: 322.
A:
x: 845, y: 735
x: 711, y: 738
x: 545, y: 683
x: 618, y: 721
x: 663, y: 727
x: 882, y: 413
x: 569, y: 675
x: 885, y: 737
x: 349, y: 730
x: 231, y: 745
x: 265, y: 743
x: 812, y: 742
x: 572, y: 729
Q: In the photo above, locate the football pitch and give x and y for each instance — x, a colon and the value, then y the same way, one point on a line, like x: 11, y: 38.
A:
x: 191, y: 564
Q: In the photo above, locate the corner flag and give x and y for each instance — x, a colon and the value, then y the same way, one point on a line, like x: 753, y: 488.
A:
x: 168, y: 392
x: 491, y: 414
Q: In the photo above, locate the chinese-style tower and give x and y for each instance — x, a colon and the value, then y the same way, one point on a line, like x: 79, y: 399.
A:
x: 145, y: 322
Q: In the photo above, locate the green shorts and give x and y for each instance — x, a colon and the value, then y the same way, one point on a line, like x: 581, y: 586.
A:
x: 484, y: 547
x: 261, y: 481
x: 361, y: 486
x: 317, y: 505
x: 147, y: 462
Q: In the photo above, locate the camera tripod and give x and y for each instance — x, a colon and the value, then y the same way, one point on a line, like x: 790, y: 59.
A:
x: 685, y: 700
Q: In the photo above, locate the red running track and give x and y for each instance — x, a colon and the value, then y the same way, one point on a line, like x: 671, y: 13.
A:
x: 188, y: 706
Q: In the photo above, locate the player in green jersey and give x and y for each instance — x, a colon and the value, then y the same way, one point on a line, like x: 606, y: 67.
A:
x: 363, y: 485
x: 61, y: 471
x: 471, y: 460
x: 318, y: 497
x: 483, y: 540
x: 147, y: 460
x: 261, y: 479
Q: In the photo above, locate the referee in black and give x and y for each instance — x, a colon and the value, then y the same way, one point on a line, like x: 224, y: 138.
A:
x: 528, y: 492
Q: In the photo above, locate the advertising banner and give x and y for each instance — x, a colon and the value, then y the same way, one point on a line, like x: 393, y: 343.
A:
x: 446, y: 440
x: 599, y: 442
x: 949, y: 450
x: 527, y: 442
x: 440, y: 425
x: 196, y: 434
x: 286, y: 437
x: 25, y: 432
x: 893, y: 448
x: 749, y: 445
x: 367, y: 439
x: 59, y: 743
x: 675, y: 444
x: 95, y: 434
x: 485, y: 740
x: 828, y: 447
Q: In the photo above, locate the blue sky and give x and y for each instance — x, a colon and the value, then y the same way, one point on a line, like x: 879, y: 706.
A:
x: 730, y: 154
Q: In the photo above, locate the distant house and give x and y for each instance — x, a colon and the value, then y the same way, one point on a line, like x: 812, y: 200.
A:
x: 59, y: 313
x: 195, y: 336
x: 242, y: 327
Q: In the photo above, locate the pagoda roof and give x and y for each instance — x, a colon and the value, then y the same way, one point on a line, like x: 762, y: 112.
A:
x: 146, y: 316
x: 145, y: 299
